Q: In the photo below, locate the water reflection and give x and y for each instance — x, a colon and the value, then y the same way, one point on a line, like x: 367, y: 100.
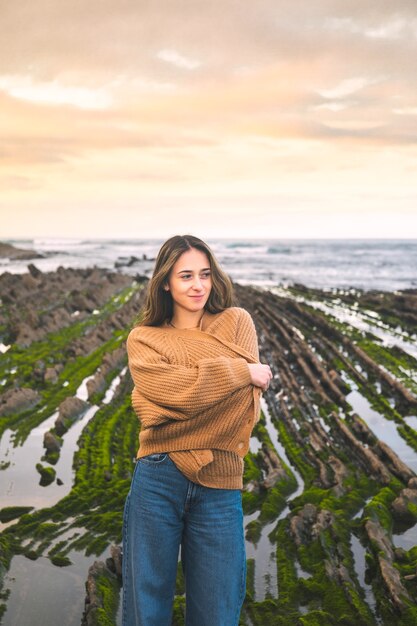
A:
x: 264, y: 551
x: 45, y: 595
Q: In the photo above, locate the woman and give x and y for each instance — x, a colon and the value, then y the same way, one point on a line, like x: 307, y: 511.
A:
x: 197, y: 382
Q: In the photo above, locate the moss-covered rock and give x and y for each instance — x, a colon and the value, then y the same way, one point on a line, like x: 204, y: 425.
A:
x: 48, y: 474
x: 9, y: 513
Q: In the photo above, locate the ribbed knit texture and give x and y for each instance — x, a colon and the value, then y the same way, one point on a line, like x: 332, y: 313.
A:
x: 194, y: 396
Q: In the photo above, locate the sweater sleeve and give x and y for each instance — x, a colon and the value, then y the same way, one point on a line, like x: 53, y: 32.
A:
x: 246, y: 336
x: 186, y: 390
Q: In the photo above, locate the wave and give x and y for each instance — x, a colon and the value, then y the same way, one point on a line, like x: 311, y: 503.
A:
x: 278, y: 250
x: 57, y: 241
x: 242, y: 244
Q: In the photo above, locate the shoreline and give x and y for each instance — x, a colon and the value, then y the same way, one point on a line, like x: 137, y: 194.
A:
x: 329, y: 264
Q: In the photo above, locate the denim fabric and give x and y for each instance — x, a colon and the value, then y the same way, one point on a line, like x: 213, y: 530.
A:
x: 165, y: 512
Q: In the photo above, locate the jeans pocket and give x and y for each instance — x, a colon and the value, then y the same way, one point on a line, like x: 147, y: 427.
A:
x: 153, y: 459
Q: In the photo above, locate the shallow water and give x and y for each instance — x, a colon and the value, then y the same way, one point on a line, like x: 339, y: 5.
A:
x: 43, y: 594
x: 406, y: 539
x: 369, y: 323
x: 20, y: 481
x: 264, y: 551
x: 411, y: 420
x: 365, y: 321
x: 360, y: 566
x: 384, y: 429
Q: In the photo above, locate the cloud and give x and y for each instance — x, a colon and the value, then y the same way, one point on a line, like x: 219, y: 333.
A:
x: 347, y: 87
x: 393, y: 27
x: 406, y: 111
x: 335, y: 106
x: 21, y: 183
x: 125, y: 102
x: 172, y: 56
x: 52, y: 92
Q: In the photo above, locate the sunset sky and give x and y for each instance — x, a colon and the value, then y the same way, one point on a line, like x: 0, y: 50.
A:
x: 221, y: 118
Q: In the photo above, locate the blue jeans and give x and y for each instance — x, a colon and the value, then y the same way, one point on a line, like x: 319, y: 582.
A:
x: 163, y: 512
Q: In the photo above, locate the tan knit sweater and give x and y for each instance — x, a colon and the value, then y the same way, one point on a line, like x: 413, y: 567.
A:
x: 194, y: 396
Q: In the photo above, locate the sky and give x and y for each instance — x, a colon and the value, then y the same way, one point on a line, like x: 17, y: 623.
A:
x: 220, y: 118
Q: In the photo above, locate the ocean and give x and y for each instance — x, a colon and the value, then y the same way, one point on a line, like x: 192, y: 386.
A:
x: 383, y: 264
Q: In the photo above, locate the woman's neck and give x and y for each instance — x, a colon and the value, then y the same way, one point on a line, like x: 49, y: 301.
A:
x: 185, y: 322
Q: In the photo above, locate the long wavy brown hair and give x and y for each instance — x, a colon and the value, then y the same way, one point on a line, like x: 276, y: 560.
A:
x: 158, y: 305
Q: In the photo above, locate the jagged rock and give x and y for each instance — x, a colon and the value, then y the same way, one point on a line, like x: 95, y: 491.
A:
x: 80, y: 302
x: 39, y: 371
x: 401, y: 555
x: 114, y: 562
x: 390, y: 458
x: 379, y: 537
x: 72, y: 407
x: 366, y: 456
x: 301, y: 524
x: 29, y: 281
x: 272, y: 465
x: 111, y: 361
x: 315, y: 439
x: 18, y: 400
x: 96, y: 384
x: 383, y: 547
x: 51, y: 374
x: 115, y: 359
x: 392, y: 579
x: 69, y: 410
x: 412, y: 483
x: 325, y: 477
x: 17, y: 254
x: 34, y: 271
x: 361, y: 429
x: 141, y: 278
x: 340, y: 472
x: 48, y: 301
x: 50, y: 442
x: 401, y: 507
x: 325, y: 519
x: 338, y: 380
x: 252, y: 486
x: 126, y: 261
x: 47, y: 474
x: 24, y: 335
x: 335, y: 570
x: 94, y: 600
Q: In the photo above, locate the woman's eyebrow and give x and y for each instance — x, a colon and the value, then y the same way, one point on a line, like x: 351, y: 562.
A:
x: 191, y: 271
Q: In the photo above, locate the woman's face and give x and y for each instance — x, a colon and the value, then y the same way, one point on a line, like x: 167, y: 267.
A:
x: 190, y: 280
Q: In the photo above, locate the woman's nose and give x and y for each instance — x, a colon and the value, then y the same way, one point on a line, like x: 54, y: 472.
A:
x: 197, y: 283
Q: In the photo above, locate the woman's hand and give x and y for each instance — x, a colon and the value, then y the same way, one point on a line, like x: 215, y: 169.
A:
x: 261, y: 375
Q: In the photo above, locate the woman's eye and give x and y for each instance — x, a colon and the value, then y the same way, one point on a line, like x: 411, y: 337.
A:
x: 205, y: 275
